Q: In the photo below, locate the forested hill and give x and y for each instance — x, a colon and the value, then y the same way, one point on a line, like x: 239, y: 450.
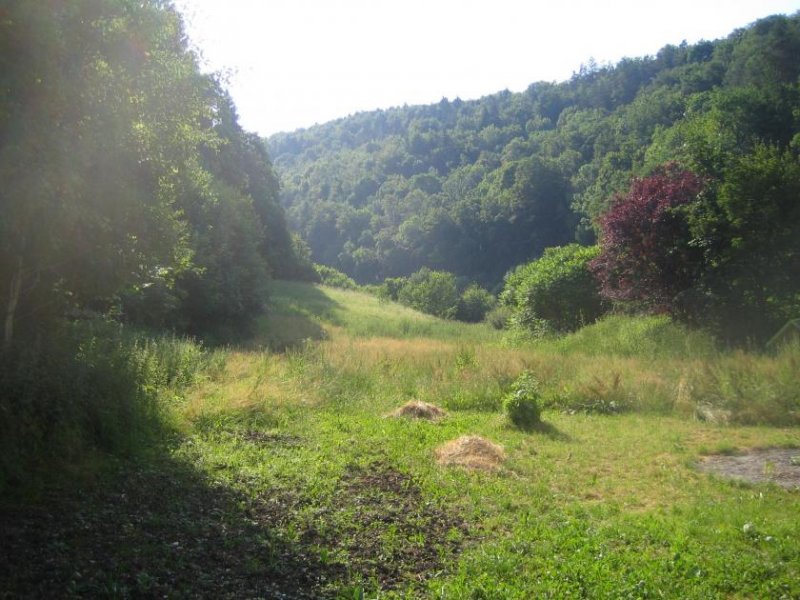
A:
x: 476, y: 187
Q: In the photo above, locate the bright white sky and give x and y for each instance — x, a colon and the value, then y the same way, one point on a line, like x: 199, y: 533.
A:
x: 294, y: 63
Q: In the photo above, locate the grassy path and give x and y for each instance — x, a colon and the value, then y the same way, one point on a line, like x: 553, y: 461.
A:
x: 288, y: 480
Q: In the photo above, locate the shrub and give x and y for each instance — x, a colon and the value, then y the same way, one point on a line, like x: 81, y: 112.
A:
x: 432, y: 292
x: 521, y: 404
x: 475, y: 302
x: 390, y: 288
x: 299, y: 267
x: 333, y: 278
x: 557, y: 289
x: 90, y: 387
x: 499, y: 316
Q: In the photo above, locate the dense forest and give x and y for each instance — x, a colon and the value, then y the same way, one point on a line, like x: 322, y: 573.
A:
x: 128, y: 185
x: 477, y: 187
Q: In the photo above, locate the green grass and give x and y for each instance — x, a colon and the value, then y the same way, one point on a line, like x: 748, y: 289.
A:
x: 91, y: 389
x: 650, y: 337
x: 300, y: 311
x: 290, y: 476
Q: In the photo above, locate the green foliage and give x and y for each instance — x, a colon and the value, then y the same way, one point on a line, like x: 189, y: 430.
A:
x: 332, y: 277
x: 749, y: 232
x: 557, y: 291
x: 499, y: 317
x: 646, y: 337
x: 436, y: 293
x: 101, y: 108
x: 303, y: 269
x: 476, y: 188
x: 228, y: 287
x: 130, y: 185
x: 474, y: 304
x: 432, y: 292
x: 522, y: 403
x: 93, y: 387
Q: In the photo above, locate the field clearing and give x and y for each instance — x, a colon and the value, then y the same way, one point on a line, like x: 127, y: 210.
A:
x: 622, y: 484
x: 289, y: 476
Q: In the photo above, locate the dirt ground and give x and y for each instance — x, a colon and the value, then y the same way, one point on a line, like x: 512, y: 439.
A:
x: 780, y: 466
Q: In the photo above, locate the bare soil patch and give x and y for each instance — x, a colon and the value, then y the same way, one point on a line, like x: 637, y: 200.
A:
x: 416, y: 409
x: 154, y: 532
x: 381, y: 527
x: 780, y: 466
x: 164, y: 530
x: 472, y: 452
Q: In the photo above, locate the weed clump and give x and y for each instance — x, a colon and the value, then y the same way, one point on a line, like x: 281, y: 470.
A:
x: 91, y: 387
x: 521, y: 404
x: 471, y: 452
x: 416, y: 409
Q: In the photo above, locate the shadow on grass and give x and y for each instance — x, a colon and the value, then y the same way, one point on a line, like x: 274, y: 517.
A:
x: 156, y: 530
x: 548, y: 430
x: 295, y: 315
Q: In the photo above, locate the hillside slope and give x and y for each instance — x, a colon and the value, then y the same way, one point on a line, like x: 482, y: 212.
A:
x: 480, y: 186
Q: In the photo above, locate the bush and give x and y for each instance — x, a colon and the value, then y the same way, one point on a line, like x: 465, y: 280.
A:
x: 432, y: 292
x: 390, y: 288
x: 557, y: 289
x: 475, y: 302
x: 299, y: 267
x: 521, y: 404
x: 91, y: 387
x: 333, y: 278
x: 499, y: 316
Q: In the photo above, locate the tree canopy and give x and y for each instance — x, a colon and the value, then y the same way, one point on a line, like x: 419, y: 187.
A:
x: 477, y: 187
x: 128, y: 184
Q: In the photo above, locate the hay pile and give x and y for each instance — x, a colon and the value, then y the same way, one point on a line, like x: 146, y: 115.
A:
x: 416, y: 409
x: 471, y: 452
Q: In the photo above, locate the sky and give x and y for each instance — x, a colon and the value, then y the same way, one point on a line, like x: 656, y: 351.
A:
x: 289, y: 64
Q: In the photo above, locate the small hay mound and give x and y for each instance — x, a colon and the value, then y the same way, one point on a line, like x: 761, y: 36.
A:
x: 416, y: 409
x: 471, y: 452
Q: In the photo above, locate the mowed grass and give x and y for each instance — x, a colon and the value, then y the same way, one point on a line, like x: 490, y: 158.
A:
x: 602, y: 501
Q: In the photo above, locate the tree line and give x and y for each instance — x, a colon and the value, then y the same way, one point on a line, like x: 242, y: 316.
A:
x: 134, y: 210
x: 129, y: 187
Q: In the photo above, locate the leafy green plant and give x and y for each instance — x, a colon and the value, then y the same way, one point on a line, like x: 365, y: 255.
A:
x: 432, y: 292
x: 499, y: 316
x: 521, y: 404
x: 557, y: 289
x: 334, y: 278
x: 475, y: 302
x: 95, y: 386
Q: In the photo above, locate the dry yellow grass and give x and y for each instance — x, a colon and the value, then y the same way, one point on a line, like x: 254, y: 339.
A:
x: 471, y: 452
x: 416, y: 409
x: 249, y: 381
x: 375, y: 352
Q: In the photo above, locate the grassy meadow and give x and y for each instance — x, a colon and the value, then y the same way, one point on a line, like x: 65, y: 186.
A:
x: 285, y: 477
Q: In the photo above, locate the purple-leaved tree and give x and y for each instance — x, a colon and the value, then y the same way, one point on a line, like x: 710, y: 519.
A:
x: 646, y: 256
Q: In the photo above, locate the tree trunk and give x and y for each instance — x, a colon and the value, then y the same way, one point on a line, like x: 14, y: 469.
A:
x: 11, y: 308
